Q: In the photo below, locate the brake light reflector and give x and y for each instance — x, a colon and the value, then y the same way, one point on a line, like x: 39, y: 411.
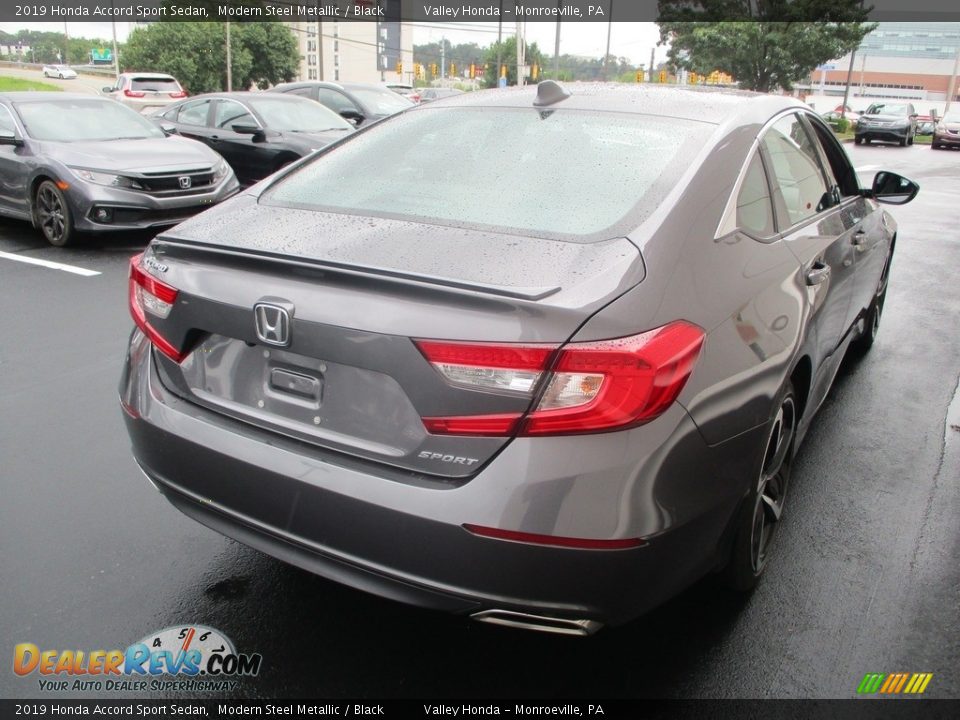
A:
x: 592, y: 387
x: 149, y: 296
x: 555, y: 540
x: 134, y: 93
x: 180, y: 94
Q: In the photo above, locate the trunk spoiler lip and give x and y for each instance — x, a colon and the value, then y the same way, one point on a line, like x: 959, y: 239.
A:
x: 353, y: 269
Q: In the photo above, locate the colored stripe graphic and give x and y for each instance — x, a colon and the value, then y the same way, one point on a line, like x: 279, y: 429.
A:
x: 871, y: 683
x: 894, y: 683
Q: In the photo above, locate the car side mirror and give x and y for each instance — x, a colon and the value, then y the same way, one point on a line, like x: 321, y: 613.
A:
x: 893, y: 189
x: 914, y: 116
x: 168, y: 128
x: 258, y: 134
x: 8, y: 137
x: 108, y: 90
x: 352, y: 116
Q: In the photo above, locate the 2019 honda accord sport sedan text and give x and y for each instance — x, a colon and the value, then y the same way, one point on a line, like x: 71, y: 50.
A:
x: 545, y: 360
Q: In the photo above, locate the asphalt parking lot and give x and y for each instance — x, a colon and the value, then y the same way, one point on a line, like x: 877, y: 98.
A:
x: 866, y: 577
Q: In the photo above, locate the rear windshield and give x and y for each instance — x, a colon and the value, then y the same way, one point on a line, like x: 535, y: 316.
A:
x: 381, y: 102
x: 550, y: 174
x: 158, y: 84
x: 286, y: 115
x: 94, y: 119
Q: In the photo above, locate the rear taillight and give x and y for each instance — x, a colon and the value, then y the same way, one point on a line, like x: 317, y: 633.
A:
x: 180, y: 94
x: 134, y: 93
x: 590, y: 387
x: 151, y: 298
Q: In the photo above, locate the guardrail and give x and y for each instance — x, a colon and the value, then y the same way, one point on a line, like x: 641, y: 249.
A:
x: 97, y: 71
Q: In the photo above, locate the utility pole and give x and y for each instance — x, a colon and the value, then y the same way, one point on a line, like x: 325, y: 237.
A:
x: 116, y: 57
x: 609, y: 30
x: 320, y: 51
x: 653, y: 51
x: 499, y: 46
x: 951, y: 91
x: 863, y: 65
x: 443, y: 58
x: 846, y: 90
x: 229, y: 60
x: 520, y: 54
x: 66, y: 45
x: 556, y: 47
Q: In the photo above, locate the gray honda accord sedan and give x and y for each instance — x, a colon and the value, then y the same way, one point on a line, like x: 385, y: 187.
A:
x: 542, y: 357
x: 72, y: 162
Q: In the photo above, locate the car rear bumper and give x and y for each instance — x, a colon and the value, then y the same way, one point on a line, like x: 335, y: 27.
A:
x: 402, y: 536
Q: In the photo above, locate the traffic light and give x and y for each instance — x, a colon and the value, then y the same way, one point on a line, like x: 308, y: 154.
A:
x: 473, y: 71
x: 692, y: 78
x: 433, y: 69
x: 453, y: 70
x: 639, y: 76
x: 535, y: 71
x: 503, y: 71
x: 663, y: 76
x: 399, y: 68
x: 418, y: 70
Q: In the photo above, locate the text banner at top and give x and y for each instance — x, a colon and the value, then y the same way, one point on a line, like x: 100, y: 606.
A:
x: 507, y: 11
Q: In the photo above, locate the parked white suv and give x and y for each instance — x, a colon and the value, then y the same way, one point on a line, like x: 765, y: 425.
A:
x: 145, y: 92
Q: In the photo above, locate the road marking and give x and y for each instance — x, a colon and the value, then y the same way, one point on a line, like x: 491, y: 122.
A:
x: 52, y: 265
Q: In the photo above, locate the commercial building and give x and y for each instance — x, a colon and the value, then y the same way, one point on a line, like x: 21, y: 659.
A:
x: 354, y: 51
x: 911, y: 61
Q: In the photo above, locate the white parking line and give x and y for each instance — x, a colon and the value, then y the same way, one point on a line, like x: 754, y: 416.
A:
x: 52, y: 265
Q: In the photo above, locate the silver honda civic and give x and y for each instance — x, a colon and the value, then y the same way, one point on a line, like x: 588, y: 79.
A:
x: 74, y: 163
x: 541, y: 357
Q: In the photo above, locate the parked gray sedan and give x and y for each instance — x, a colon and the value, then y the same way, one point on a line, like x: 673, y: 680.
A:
x: 545, y: 361
x: 72, y: 163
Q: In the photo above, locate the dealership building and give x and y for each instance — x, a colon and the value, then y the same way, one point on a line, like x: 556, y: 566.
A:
x: 910, y: 61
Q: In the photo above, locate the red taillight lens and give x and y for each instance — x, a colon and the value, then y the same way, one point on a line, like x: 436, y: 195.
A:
x: 616, y: 384
x: 134, y: 93
x: 592, y: 387
x: 148, y: 296
x: 181, y: 94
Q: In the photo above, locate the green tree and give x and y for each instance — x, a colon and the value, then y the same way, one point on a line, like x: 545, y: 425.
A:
x: 262, y: 53
x: 508, y: 57
x: 764, y: 44
x: 273, y: 49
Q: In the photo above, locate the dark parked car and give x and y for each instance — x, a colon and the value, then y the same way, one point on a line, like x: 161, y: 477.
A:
x: 946, y: 134
x: 357, y: 102
x: 72, y: 163
x: 890, y: 122
x: 257, y: 133
x: 549, y: 415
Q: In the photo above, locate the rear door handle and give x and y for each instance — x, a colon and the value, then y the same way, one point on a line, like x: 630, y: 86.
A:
x: 818, y: 274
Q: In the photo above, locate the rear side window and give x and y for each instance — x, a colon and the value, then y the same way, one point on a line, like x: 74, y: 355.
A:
x: 230, y: 113
x: 754, y: 209
x: 800, y: 190
x: 546, y: 173
x: 194, y: 113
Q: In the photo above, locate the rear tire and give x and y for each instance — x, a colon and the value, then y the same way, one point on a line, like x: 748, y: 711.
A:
x: 761, y: 512
x: 858, y: 140
x: 874, y: 313
x: 52, y: 215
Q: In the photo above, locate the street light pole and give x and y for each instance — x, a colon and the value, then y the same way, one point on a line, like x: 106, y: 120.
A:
x: 609, y: 30
x: 556, y: 48
x: 846, y: 91
x: 229, y: 60
x: 116, y: 57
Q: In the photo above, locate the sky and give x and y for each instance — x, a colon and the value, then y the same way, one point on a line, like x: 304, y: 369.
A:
x: 632, y: 40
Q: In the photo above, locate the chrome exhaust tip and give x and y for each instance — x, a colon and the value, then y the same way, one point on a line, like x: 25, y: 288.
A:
x: 540, y: 623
